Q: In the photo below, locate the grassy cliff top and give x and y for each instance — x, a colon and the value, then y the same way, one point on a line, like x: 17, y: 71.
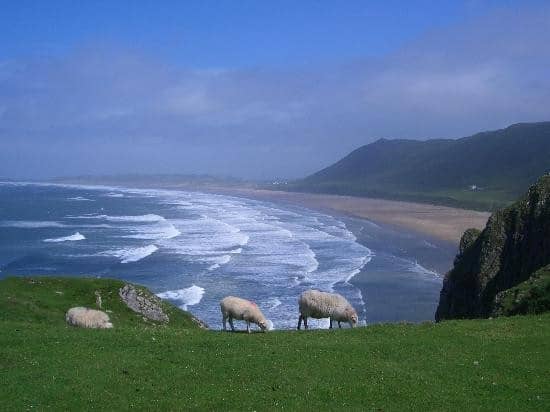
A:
x: 499, y: 364
x: 45, y: 300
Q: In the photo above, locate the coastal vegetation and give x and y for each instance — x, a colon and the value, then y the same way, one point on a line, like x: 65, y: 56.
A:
x: 504, y: 268
x: 498, y: 364
x: 485, y: 171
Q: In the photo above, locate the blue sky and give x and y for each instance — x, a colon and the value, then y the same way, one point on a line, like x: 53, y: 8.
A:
x: 256, y: 89
x: 229, y: 34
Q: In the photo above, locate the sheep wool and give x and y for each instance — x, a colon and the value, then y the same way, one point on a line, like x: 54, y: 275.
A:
x: 318, y: 305
x: 242, y: 309
x: 88, y: 318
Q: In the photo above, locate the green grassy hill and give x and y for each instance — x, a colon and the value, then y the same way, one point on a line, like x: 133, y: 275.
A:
x: 499, y: 364
x: 501, y: 163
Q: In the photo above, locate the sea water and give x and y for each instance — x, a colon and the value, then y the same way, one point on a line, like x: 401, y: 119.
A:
x: 190, y: 248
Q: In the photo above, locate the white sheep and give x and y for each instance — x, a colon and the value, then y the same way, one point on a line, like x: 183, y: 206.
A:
x: 242, y: 309
x: 88, y: 318
x: 318, y: 305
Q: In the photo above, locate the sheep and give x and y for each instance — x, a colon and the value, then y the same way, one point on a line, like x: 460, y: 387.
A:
x: 88, y: 318
x: 318, y: 305
x: 242, y: 309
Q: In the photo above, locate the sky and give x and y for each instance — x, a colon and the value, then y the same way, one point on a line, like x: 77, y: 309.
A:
x: 253, y: 89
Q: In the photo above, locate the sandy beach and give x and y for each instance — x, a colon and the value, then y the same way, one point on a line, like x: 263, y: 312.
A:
x: 440, y: 222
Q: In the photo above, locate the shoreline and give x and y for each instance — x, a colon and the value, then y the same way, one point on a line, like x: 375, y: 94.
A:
x: 442, y: 223
x: 402, y: 279
x: 421, y: 235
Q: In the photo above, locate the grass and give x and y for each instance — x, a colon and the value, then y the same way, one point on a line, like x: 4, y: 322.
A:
x: 500, y: 364
x: 482, y: 200
x: 530, y: 296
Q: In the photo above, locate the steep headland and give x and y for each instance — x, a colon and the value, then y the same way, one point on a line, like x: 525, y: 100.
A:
x: 503, y: 269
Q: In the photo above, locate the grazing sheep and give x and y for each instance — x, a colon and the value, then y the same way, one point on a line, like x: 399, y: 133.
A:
x: 242, y: 309
x: 88, y: 318
x: 318, y: 305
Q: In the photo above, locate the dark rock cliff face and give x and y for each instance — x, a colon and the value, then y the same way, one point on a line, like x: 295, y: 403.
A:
x: 512, y: 247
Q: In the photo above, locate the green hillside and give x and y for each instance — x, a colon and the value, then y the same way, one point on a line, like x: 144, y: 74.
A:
x: 499, y: 364
x: 502, y: 164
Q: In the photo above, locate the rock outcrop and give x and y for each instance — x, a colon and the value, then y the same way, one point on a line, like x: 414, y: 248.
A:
x: 512, y: 247
x: 143, y: 303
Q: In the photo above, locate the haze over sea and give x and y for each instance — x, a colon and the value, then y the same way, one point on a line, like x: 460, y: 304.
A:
x: 195, y: 248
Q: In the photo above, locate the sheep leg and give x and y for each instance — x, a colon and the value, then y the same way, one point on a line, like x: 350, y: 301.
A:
x: 224, y: 322
x: 339, y: 325
x: 247, y: 326
x: 330, y: 323
x: 305, y: 322
x: 231, y: 324
x: 300, y: 321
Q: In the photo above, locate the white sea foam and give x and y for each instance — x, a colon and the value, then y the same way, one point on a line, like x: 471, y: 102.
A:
x: 98, y: 226
x: 163, y: 230
x: 130, y: 219
x: 71, y: 238
x: 218, y: 261
x: 366, y: 259
x: 128, y: 255
x: 428, y: 244
x: 207, y: 240
x: 274, y: 303
x: 113, y: 194
x: 184, y: 297
x: 418, y: 269
x: 30, y: 224
x: 157, y: 228
x: 80, y: 199
x: 35, y: 224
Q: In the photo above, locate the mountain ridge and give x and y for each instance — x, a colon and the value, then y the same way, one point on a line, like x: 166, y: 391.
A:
x: 486, y: 170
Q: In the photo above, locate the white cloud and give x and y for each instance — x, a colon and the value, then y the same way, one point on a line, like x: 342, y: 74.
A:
x: 485, y: 74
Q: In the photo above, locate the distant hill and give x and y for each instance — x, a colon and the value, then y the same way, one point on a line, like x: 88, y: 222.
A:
x: 483, y: 171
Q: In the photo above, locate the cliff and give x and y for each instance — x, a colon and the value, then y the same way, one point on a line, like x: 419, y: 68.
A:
x: 507, y: 254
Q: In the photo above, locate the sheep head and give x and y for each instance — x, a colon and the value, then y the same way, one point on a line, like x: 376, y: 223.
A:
x: 351, y: 314
x: 263, y: 324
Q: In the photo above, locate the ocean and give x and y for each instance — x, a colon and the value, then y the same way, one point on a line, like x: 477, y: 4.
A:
x: 194, y: 248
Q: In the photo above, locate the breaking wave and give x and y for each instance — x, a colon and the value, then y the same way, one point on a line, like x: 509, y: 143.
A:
x: 80, y: 199
x: 129, y: 255
x: 184, y: 297
x: 71, y: 238
x: 30, y: 224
